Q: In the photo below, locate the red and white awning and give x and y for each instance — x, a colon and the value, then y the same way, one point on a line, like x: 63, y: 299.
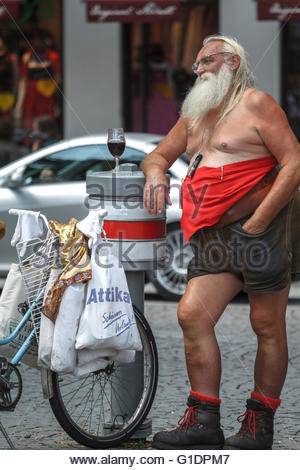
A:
x: 281, y: 10
x: 127, y: 11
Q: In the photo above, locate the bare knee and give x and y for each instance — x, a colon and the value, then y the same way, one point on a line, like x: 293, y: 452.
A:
x: 191, y: 315
x: 266, y: 325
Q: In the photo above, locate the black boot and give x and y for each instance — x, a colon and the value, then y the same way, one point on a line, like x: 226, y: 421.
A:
x: 199, y: 428
x: 257, y: 428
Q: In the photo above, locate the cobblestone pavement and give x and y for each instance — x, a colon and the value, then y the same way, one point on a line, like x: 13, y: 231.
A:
x: 33, y: 426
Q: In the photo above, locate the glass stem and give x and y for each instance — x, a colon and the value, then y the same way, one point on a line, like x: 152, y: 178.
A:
x: 117, y: 164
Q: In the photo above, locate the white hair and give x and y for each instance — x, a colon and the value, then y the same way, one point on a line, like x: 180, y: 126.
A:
x: 243, y: 77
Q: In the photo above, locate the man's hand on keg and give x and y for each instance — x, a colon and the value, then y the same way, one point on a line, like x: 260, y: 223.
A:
x: 156, y: 192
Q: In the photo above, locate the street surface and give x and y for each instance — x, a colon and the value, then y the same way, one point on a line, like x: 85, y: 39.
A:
x: 33, y: 426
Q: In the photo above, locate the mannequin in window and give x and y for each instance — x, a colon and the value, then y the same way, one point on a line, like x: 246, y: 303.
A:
x: 8, y: 80
x: 161, y: 104
x: 40, y: 76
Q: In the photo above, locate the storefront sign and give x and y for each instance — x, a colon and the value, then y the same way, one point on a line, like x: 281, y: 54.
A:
x: 9, y: 9
x: 283, y: 10
x: 127, y: 11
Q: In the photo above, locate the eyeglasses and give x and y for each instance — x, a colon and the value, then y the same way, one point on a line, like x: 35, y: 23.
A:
x: 209, y: 59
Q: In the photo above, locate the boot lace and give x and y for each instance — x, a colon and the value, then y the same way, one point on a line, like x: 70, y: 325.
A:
x: 249, y: 422
x: 188, y: 419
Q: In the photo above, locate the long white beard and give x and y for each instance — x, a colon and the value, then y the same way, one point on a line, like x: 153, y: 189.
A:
x: 207, y: 93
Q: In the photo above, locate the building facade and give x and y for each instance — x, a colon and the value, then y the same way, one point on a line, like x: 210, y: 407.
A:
x: 101, y: 52
x: 134, y: 74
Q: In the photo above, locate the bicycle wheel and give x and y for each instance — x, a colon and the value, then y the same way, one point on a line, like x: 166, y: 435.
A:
x: 91, y: 409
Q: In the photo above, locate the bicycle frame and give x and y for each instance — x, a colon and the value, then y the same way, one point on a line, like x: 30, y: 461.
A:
x: 13, y: 335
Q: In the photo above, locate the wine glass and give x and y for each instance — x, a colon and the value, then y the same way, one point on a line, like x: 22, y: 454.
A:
x: 116, y: 143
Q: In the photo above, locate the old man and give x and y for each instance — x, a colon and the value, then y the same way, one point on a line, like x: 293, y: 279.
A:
x: 236, y: 200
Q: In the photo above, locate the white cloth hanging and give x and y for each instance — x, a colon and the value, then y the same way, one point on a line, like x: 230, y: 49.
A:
x: 92, y: 225
x: 31, y: 225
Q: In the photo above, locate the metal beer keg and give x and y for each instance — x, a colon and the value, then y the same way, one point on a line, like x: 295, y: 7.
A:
x: 138, y: 238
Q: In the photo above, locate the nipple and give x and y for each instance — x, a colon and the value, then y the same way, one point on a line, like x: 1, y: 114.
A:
x: 224, y: 145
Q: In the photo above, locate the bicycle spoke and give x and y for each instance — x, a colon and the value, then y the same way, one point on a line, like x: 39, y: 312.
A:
x: 72, y: 391
x: 91, y: 410
x: 67, y: 384
x: 99, y: 395
x: 101, y: 410
x: 86, y: 402
x: 119, y: 401
x: 124, y: 388
x: 83, y: 400
x: 76, y: 391
x: 111, y: 407
x: 90, y: 395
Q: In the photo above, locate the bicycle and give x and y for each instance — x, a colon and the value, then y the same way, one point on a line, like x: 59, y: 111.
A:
x: 90, y: 408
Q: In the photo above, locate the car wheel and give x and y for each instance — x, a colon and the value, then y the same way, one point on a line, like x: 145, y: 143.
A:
x: 170, y: 281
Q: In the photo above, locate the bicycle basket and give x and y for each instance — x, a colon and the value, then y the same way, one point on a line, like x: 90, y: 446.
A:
x: 40, y: 257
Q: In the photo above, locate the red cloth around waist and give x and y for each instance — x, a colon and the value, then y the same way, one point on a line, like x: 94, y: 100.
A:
x: 211, y: 191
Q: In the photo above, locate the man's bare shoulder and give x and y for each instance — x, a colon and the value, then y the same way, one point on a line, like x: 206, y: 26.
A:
x: 257, y: 101
x: 271, y: 123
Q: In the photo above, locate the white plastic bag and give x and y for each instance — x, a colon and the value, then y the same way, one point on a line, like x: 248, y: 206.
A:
x: 108, y: 319
x: 89, y: 361
x: 13, y: 294
x: 63, y: 357
x: 47, y: 327
x: 87, y: 356
x: 125, y: 357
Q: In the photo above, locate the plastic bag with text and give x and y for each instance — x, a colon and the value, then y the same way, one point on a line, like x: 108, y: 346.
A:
x: 108, y: 319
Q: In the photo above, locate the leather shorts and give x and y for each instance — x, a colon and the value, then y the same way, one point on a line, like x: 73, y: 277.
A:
x: 262, y: 261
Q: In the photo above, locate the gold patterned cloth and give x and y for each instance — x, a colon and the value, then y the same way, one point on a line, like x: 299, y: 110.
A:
x: 75, y: 259
x: 2, y: 229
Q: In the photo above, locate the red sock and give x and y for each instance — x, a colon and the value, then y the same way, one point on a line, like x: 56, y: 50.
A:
x: 202, y: 397
x: 272, y: 403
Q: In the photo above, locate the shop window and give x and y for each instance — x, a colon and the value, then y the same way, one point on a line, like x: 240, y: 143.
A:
x: 157, y: 65
x: 30, y: 69
x: 291, y: 74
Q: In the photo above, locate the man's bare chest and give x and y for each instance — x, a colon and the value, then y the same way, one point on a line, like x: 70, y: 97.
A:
x: 236, y: 135
x: 232, y: 136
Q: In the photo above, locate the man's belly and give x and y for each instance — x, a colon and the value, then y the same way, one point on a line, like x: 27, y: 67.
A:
x: 218, y: 159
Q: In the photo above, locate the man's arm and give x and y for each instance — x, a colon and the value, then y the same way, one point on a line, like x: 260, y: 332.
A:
x: 156, y: 165
x: 273, y: 128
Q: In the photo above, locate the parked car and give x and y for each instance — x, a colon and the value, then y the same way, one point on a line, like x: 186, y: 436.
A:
x: 52, y: 180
